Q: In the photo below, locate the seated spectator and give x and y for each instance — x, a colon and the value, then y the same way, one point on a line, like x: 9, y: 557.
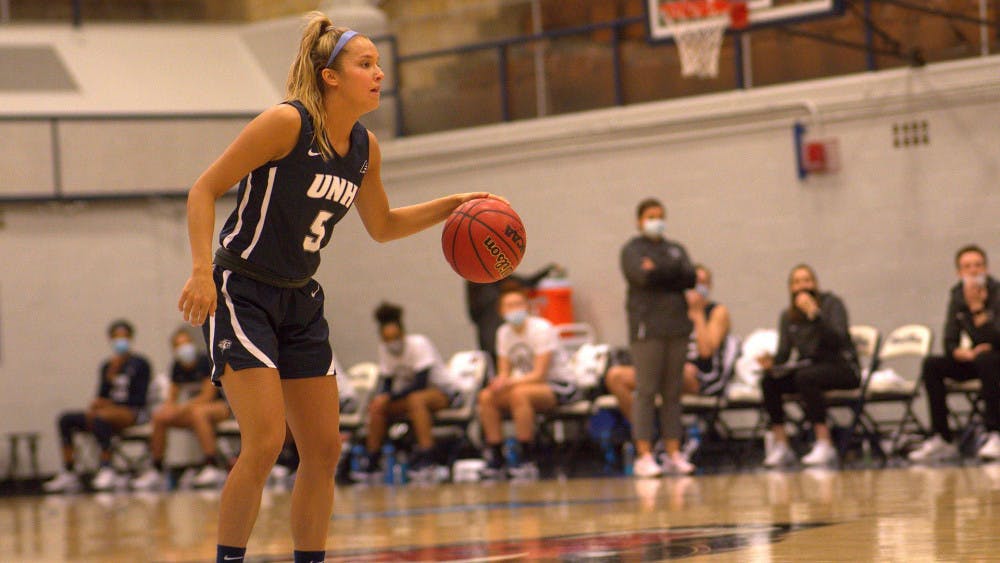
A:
x: 972, y: 351
x: 123, y: 381
x: 414, y: 386
x: 533, y: 376
x: 815, y: 354
x: 481, y: 302
x: 193, y: 402
x: 703, y: 369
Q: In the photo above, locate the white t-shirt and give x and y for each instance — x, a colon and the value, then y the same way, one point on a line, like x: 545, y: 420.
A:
x: 520, y: 349
x: 418, y: 354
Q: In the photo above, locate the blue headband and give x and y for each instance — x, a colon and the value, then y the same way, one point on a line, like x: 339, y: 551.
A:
x: 344, y: 38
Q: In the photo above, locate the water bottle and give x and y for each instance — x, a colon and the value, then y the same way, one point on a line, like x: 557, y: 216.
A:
x: 628, y: 458
x: 510, y: 452
x: 357, y: 454
x: 399, y: 469
x: 693, y: 440
x: 389, y: 463
x: 608, y: 448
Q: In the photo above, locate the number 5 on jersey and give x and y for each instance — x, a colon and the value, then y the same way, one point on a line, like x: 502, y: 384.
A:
x: 313, y: 240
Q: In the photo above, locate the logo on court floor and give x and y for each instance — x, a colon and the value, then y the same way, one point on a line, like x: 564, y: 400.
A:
x: 655, y: 544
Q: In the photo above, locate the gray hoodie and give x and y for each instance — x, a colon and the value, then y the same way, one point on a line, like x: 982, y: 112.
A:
x: 655, y: 303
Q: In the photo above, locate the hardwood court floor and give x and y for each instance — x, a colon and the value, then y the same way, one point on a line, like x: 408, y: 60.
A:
x: 911, y: 514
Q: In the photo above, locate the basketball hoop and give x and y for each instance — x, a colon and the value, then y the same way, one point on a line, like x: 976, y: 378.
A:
x: 697, y: 27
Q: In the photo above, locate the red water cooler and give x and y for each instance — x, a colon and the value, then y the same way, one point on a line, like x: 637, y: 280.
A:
x: 553, y: 300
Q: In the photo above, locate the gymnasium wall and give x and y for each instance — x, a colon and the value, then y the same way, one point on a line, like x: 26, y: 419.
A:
x: 881, y: 232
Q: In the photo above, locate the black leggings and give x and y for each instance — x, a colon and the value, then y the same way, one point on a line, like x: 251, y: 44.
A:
x: 76, y: 421
x: 986, y: 368
x: 809, y: 382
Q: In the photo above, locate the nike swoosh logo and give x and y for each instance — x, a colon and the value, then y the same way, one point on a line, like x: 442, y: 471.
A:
x: 312, y: 153
x: 315, y: 292
x: 228, y: 558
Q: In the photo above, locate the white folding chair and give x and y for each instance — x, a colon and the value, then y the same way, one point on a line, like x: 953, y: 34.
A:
x: 468, y: 371
x: 363, y: 378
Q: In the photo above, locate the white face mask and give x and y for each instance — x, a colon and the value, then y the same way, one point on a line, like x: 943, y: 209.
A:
x: 653, y: 228
x: 186, y: 353
x: 395, y: 347
x: 979, y: 280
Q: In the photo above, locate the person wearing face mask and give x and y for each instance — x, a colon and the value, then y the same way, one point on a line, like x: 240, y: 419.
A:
x: 658, y: 272
x: 703, y: 368
x: 972, y: 350
x: 814, y: 328
x: 414, y: 385
x: 193, y: 402
x: 532, y: 376
x: 123, y: 380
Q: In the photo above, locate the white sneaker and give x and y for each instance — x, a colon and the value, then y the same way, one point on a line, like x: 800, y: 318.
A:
x: 526, y: 471
x: 822, y: 453
x: 63, y: 482
x: 210, y: 476
x: 780, y: 455
x: 149, y: 480
x: 646, y: 466
x: 991, y: 449
x: 106, y: 479
x: 677, y: 465
x: 934, y: 449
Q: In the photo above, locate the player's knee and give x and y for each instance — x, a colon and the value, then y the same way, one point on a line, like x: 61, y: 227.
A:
x: 326, y: 456
x: 415, y: 402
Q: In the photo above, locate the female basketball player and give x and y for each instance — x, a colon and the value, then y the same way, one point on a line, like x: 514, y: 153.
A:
x: 300, y: 165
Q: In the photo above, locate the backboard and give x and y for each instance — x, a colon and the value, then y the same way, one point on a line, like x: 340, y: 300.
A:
x: 761, y: 13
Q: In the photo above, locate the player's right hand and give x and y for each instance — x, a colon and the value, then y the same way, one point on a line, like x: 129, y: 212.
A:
x: 198, y: 298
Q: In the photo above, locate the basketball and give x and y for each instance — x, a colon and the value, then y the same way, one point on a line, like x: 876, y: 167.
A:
x: 484, y: 240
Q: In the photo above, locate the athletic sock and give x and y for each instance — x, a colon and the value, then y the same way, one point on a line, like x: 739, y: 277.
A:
x: 68, y: 466
x: 158, y: 465
x: 494, y: 455
x: 310, y: 556
x: 228, y: 554
x: 209, y: 460
x: 373, y: 460
x: 527, y: 452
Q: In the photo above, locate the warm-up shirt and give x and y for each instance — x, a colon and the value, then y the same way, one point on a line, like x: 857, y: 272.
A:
x: 129, y: 385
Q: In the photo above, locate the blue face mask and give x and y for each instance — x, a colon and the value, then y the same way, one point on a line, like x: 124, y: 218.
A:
x: 120, y: 346
x: 516, y: 317
x: 186, y: 353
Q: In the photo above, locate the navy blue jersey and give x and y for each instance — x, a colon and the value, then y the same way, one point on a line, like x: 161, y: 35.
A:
x: 129, y: 385
x: 193, y: 376
x: 287, y: 208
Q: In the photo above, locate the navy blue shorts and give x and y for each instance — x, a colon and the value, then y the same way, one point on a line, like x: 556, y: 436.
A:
x: 257, y: 325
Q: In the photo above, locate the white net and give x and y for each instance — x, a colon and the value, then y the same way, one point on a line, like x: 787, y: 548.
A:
x: 699, y: 43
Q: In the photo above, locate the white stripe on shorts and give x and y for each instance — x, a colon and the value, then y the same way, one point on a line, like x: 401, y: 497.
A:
x: 243, y: 338
x: 211, y: 339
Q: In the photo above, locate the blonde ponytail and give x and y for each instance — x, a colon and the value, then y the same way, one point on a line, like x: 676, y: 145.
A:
x: 304, y: 81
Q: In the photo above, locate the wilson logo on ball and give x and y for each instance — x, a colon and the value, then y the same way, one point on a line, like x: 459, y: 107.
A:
x: 502, y: 265
x: 484, y: 240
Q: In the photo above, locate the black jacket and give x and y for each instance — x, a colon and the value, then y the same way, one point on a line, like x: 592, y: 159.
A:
x: 655, y: 303
x: 824, y: 339
x: 959, y: 319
